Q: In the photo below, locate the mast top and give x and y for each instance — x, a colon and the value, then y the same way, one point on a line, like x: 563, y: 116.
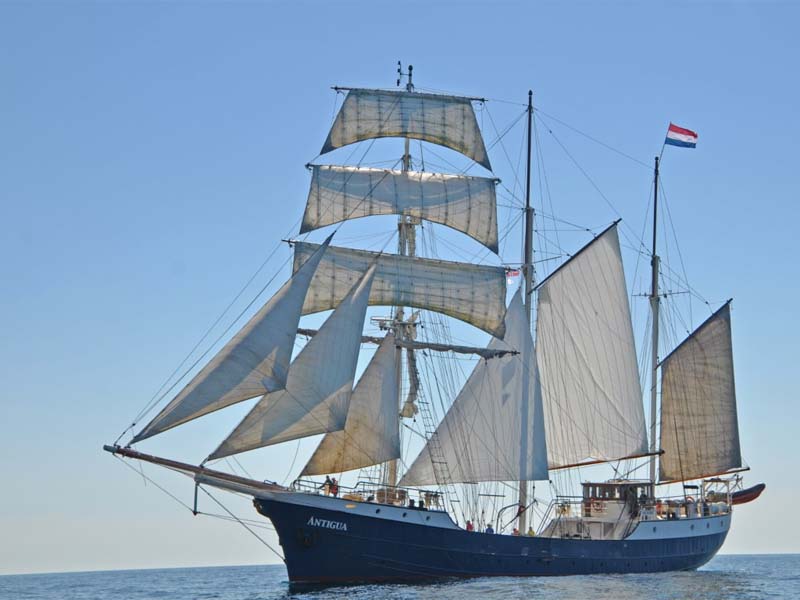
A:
x: 409, y: 75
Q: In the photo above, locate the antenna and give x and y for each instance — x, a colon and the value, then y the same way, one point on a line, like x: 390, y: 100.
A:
x: 408, y: 75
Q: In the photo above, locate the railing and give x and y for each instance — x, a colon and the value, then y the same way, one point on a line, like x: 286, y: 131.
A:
x: 615, y: 518
x: 371, y: 491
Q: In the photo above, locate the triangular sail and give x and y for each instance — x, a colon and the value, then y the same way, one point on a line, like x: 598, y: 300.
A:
x: 445, y: 120
x: 472, y: 293
x: 699, y: 424
x: 254, y: 361
x: 494, y: 430
x: 371, y: 434
x: 319, y: 384
x: 587, y: 359
x: 467, y: 204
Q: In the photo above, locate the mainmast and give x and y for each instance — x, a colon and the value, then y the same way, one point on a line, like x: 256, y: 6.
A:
x: 528, y: 273
x: 654, y: 307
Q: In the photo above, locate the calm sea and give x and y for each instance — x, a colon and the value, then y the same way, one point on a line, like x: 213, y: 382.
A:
x: 757, y: 577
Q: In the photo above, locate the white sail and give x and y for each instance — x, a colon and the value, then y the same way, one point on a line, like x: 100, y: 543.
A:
x: 587, y: 359
x: 254, y: 361
x: 371, y: 433
x: 467, y: 204
x: 472, y: 293
x: 445, y: 120
x: 319, y: 384
x: 699, y: 424
x: 494, y: 430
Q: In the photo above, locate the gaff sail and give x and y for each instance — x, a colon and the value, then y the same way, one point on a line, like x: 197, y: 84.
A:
x: 587, y: 359
x: 699, y: 422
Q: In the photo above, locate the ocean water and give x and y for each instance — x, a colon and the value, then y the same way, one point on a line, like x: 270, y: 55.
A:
x: 754, y: 577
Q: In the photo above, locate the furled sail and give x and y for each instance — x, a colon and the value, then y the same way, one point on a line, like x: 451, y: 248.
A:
x: 254, y: 361
x: 699, y: 425
x: 587, y: 359
x: 494, y: 430
x: 445, y: 120
x: 318, y: 386
x: 371, y: 433
x: 467, y: 204
x: 472, y: 293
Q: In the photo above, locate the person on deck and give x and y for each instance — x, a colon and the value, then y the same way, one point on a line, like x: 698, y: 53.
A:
x: 489, y: 528
x: 326, y: 486
x: 334, y: 487
x: 515, y: 532
x: 470, y: 526
x: 531, y: 532
x: 421, y: 504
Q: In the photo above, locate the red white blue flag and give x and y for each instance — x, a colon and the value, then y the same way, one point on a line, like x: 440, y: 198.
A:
x: 678, y: 136
x: 511, y: 274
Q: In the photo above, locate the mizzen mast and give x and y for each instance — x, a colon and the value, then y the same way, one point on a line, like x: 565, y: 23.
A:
x: 654, y: 308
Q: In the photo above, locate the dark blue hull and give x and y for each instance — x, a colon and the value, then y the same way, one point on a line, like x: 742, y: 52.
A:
x: 324, y: 546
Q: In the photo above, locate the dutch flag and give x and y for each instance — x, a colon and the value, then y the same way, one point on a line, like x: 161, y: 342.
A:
x: 678, y: 136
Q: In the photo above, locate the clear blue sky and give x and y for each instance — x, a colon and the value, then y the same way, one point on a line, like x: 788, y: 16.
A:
x: 152, y: 153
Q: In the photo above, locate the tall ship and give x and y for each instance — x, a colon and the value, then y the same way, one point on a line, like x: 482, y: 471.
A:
x: 424, y: 470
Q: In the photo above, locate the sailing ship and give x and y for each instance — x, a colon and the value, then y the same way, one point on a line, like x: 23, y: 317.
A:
x: 533, y: 405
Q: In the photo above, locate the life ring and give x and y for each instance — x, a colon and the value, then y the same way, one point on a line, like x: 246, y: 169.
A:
x: 597, y: 506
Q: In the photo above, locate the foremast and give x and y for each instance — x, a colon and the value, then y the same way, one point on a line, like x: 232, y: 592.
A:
x: 406, y: 246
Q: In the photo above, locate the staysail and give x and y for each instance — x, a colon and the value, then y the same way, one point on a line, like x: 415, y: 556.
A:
x: 253, y: 362
x: 699, y: 424
x: 445, y: 120
x: 472, y: 293
x: 481, y: 437
x: 371, y: 433
x: 467, y: 204
x: 587, y: 359
x: 318, y: 386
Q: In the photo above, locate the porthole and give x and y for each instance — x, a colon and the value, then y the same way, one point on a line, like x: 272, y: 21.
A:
x: 404, y: 515
x: 708, y: 525
x: 427, y: 518
x: 654, y: 529
x: 692, y: 527
x: 377, y: 510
